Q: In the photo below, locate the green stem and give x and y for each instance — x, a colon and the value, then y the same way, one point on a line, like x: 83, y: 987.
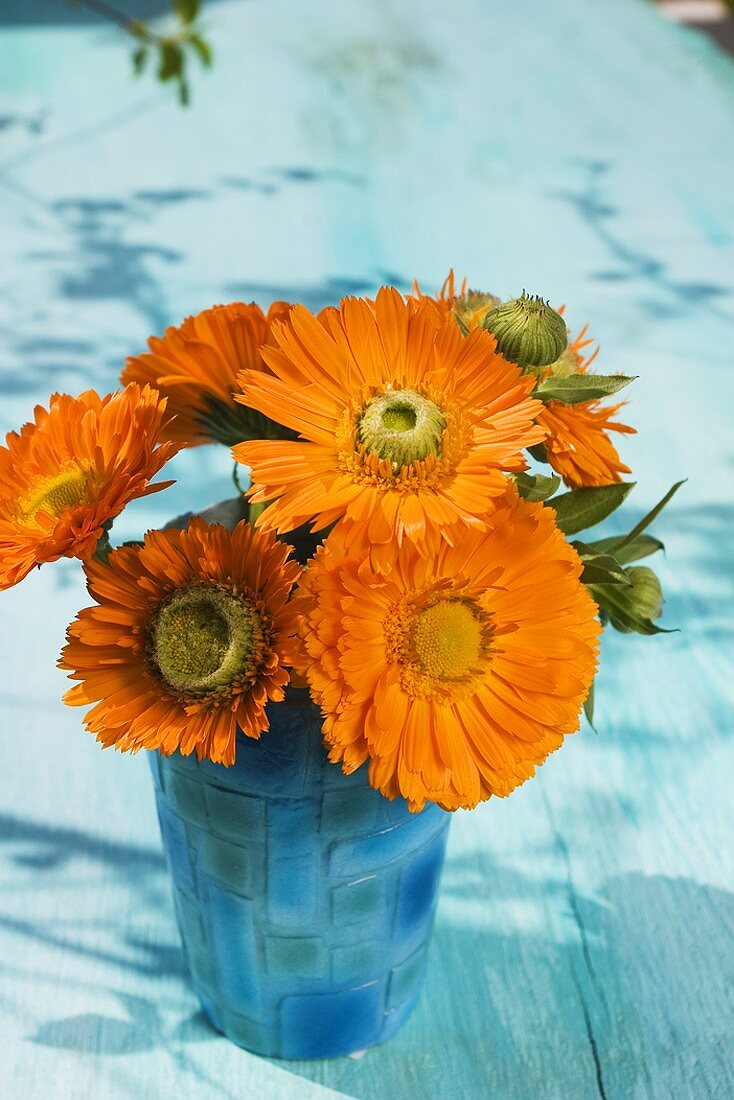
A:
x: 103, y: 548
x: 120, y: 19
x: 256, y: 510
x: 236, y: 480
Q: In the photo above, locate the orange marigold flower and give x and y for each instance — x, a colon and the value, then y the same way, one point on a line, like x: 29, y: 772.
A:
x: 406, y: 424
x: 467, y: 306
x: 577, y: 444
x: 445, y: 297
x: 196, y: 365
x: 185, y: 642
x: 72, y: 470
x: 457, y: 673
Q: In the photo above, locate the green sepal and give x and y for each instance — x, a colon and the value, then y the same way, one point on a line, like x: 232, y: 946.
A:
x: 581, y: 387
x: 633, y: 608
x: 641, y: 547
x: 536, y: 487
x: 583, y: 508
x: 234, y: 423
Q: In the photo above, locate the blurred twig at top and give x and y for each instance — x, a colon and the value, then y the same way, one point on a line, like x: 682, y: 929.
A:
x: 168, y: 53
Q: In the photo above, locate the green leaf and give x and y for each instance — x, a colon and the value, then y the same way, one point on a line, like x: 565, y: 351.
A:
x: 651, y: 515
x: 589, y: 706
x: 202, y: 48
x: 171, y: 61
x: 184, y: 96
x: 632, y: 608
x: 582, y: 508
x: 535, y: 487
x: 140, y: 56
x: 640, y: 547
x: 538, y: 452
x: 600, y: 568
x: 581, y: 387
x: 186, y: 10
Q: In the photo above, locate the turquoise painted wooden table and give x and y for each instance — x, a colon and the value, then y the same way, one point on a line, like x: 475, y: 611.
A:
x: 582, y: 149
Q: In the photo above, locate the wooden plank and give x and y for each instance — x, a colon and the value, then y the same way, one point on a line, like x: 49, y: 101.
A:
x: 584, y: 938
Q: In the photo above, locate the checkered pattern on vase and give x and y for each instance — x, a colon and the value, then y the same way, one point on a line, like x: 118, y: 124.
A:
x: 304, y: 898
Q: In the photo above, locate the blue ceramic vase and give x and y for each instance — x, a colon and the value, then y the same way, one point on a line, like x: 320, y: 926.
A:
x: 304, y: 898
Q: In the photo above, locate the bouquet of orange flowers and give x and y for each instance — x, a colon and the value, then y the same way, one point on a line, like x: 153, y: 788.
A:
x: 447, y: 619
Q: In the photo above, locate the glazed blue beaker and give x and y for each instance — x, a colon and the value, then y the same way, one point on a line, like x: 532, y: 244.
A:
x: 305, y: 899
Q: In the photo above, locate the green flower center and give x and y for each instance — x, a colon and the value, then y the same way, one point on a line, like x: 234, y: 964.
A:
x: 54, y: 494
x: 204, y: 638
x: 399, y: 418
x: 448, y: 639
x: 402, y: 426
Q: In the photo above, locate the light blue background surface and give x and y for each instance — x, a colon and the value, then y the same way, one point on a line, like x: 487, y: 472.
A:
x: 580, y: 148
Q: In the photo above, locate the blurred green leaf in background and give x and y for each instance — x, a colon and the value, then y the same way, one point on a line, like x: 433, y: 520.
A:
x: 166, y: 53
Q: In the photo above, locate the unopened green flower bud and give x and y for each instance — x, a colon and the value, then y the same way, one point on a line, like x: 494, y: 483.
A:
x: 647, y: 592
x: 528, y: 331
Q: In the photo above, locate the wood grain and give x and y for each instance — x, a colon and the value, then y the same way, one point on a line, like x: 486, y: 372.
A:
x: 581, y: 149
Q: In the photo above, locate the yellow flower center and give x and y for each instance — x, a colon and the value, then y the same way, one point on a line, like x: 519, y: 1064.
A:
x: 204, y: 638
x: 448, y: 640
x: 402, y: 426
x: 53, y: 494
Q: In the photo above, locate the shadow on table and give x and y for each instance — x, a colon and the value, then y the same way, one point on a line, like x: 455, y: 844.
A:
x: 96, y: 258
x: 709, y: 529
x: 55, y: 855
x: 513, y: 1014
x: 142, y: 1028
x: 117, y: 957
x: 627, y: 261
x: 502, y: 1007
